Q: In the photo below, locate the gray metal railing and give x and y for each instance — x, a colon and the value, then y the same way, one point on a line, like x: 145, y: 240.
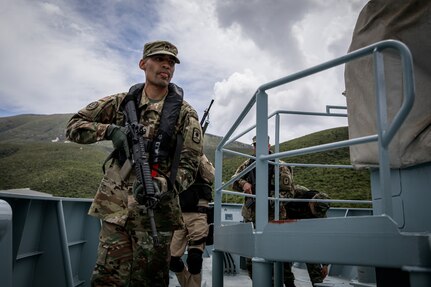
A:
x: 384, y: 136
x: 53, y: 243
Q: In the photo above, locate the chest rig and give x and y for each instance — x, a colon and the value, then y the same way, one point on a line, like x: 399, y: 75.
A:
x: 159, y: 147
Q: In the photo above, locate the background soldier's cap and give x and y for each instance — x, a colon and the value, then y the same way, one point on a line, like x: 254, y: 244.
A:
x: 321, y: 207
x: 254, y: 140
x: 160, y: 47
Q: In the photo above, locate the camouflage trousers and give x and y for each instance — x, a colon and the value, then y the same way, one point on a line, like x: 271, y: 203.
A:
x: 314, y: 271
x: 128, y: 258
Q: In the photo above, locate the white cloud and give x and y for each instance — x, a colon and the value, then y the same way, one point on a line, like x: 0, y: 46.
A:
x: 50, y: 64
x: 51, y: 9
x: 231, y: 97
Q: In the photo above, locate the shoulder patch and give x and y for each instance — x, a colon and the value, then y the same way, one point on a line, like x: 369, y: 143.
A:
x: 92, y: 106
x: 196, y: 137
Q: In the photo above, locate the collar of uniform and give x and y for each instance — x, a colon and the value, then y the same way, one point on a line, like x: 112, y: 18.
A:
x: 147, y: 101
x: 150, y: 104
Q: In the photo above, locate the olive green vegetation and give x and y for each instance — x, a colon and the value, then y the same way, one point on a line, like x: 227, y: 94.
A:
x: 28, y: 159
x: 68, y: 170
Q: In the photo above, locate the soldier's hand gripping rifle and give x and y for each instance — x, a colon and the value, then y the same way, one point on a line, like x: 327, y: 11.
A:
x: 205, y: 121
x: 148, y: 195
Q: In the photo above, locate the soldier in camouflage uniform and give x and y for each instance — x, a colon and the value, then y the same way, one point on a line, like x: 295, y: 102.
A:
x: 306, y: 210
x: 126, y: 254
x: 194, y: 236
x: 246, y: 184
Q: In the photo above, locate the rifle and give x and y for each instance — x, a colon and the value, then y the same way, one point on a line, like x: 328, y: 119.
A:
x: 251, y: 178
x: 150, y: 192
x: 208, y: 210
x: 205, y: 121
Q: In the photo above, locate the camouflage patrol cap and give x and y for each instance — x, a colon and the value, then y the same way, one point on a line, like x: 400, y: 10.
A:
x: 160, y: 47
x: 254, y: 140
x: 321, y: 208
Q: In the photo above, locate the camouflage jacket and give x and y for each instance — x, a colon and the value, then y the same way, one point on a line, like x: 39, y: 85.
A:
x: 286, y: 188
x: 301, y: 209
x: 114, y: 201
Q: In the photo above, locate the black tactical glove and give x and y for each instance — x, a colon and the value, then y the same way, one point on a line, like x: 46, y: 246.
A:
x: 138, y: 192
x: 118, y: 135
x: 160, y: 186
x: 141, y: 197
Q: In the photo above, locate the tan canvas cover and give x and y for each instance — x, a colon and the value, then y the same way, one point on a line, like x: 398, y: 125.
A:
x: 409, y: 22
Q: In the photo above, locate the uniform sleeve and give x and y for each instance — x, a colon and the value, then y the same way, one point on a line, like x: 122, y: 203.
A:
x: 90, y: 123
x: 237, y: 184
x: 286, y: 179
x: 191, y: 150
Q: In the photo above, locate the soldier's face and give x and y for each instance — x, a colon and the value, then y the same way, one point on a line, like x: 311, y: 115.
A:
x: 254, y: 147
x: 159, y: 69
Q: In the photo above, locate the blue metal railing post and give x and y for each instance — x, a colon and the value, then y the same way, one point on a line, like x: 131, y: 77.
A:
x: 278, y: 266
x: 278, y: 274
x: 217, y: 268
x: 277, y: 169
x: 261, y: 165
x: 382, y: 126
x: 6, y: 261
x: 217, y: 260
x: 262, y: 272
x: 260, y: 267
x: 64, y: 244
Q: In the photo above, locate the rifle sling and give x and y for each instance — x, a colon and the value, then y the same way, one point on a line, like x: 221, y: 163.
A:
x: 176, y: 159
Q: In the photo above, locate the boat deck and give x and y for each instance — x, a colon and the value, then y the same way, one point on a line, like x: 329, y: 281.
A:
x: 241, y: 279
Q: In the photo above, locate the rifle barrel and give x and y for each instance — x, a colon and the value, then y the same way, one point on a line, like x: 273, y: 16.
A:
x: 204, y: 121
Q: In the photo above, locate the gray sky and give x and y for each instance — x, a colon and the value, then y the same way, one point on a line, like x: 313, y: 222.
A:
x: 59, y: 55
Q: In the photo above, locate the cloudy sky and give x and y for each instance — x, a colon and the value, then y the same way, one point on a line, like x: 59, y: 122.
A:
x: 59, y: 55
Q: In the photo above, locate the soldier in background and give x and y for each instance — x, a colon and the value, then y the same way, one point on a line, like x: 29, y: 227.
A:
x: 246, y: 184
x: 289, y: 210
x: 196, y: 215
x: 198, y: 219
x: 127, y: 255
x: 306, y: 210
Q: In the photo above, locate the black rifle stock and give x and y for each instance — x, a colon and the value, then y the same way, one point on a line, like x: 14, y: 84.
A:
x: 142, y: 167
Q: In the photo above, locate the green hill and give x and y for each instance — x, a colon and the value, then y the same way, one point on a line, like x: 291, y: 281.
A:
x: 69, y: 170
x: 338, y: 183
x: 34, y: 154
x: 33, y: 127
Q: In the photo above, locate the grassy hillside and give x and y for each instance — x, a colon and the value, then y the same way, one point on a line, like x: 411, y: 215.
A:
x: 33, y: 154
x: 338, y: 183
x: 211, y: 142
x: 70, y: 170
x: 33, y: 127
x: 29, y: 158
